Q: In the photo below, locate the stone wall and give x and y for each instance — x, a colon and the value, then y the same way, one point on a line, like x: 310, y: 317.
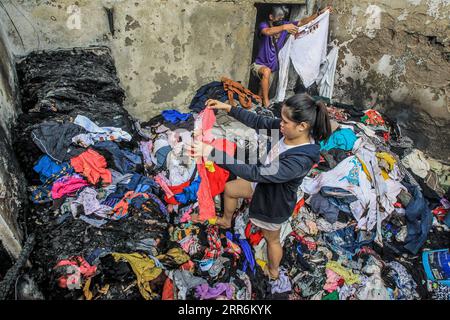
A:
x: 164, y: 50
x: 12, y: 184
x: 394, y: 54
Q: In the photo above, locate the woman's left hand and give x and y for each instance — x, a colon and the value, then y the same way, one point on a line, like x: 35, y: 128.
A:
x: 199, y: 150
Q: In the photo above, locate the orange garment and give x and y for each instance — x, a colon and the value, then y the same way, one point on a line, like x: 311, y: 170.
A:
x: 244, y: 94
x: 168, y: 292
x: 92, y: 165
x: 211, y: 183
x: 121, y: 209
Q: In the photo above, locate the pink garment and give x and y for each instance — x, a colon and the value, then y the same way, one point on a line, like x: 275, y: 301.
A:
x: 76, y: 268
x: 146, y: 149
x: 67, y: 186
x: 186, y: 216
x: 225, y: 146
x: 333, y: 280
x: 186, y: 243
x: 205, y: 123
x: 163, y: 183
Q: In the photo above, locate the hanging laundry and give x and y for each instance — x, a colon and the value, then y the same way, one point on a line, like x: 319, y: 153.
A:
x: 325, y: 80
x: 307, y: 50
x: 93, y: 166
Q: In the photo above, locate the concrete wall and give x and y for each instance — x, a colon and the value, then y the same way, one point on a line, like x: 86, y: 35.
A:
x: 12, y: 184
x: 395, y: 54
x: 164, y: 50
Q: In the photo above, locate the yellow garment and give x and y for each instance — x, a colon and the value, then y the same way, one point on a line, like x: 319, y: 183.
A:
x: 261, y: 263
x: 349, y: 277
x: 145, y: 270
x: 365, y: 170
x: 384, y: 174
x: 212, y: 221
x: 388, y: 158
x: 87, y: 292
x: 176, y: 255
x: 209, y: 165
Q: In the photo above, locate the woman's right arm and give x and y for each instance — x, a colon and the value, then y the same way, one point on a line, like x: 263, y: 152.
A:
x: 250, y: 119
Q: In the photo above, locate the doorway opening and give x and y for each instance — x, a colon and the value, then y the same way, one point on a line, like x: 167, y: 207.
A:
x: 296, y: 12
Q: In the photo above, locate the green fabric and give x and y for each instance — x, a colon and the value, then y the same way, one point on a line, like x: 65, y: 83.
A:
x: 331, y: 296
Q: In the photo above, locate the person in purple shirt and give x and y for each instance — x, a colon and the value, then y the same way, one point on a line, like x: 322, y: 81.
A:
x: 273, y: 34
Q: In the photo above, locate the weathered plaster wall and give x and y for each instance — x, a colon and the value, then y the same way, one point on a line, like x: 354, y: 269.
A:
x: 12, y: 185
x: 395, y: 55
x: 164, y: 50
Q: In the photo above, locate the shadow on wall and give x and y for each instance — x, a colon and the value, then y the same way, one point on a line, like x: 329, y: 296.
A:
x: 430, y: 134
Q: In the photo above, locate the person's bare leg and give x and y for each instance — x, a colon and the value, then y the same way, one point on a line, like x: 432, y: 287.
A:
x: 234, y: 190
x: 274, y: 251
x: 265, y: 73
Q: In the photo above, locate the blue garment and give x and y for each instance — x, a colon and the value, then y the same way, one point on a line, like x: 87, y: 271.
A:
x: 213, y: 90
x: 139, y: 201
x: 418, y: 220
x: 174, y: 116
x: 340, y: 139
x: 138, y: 183
x: 46, y: 167
x: 322, y: 205
x: 339, y: 197
x: 189, y: 194
x: 246, y: 248
x: 43, y: 193
x: 124, y: 160
x: 346, y: 241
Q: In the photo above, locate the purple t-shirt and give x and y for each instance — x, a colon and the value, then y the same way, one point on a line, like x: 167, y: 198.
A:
x: 267, y: 54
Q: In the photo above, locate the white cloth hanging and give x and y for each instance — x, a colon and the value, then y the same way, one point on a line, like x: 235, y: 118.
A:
x: 307, y: 50
x: 327, y: 72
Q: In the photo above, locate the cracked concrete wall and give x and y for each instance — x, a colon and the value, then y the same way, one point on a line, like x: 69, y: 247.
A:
x: 394, y: 54
x: 164, y: 50
x: 12, y: 183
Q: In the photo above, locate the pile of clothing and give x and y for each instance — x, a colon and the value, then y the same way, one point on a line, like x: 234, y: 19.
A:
x: 114, y: 200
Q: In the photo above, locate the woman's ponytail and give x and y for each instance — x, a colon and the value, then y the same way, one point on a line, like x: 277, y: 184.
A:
x: 322, y: 126
x: 303, y: 108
